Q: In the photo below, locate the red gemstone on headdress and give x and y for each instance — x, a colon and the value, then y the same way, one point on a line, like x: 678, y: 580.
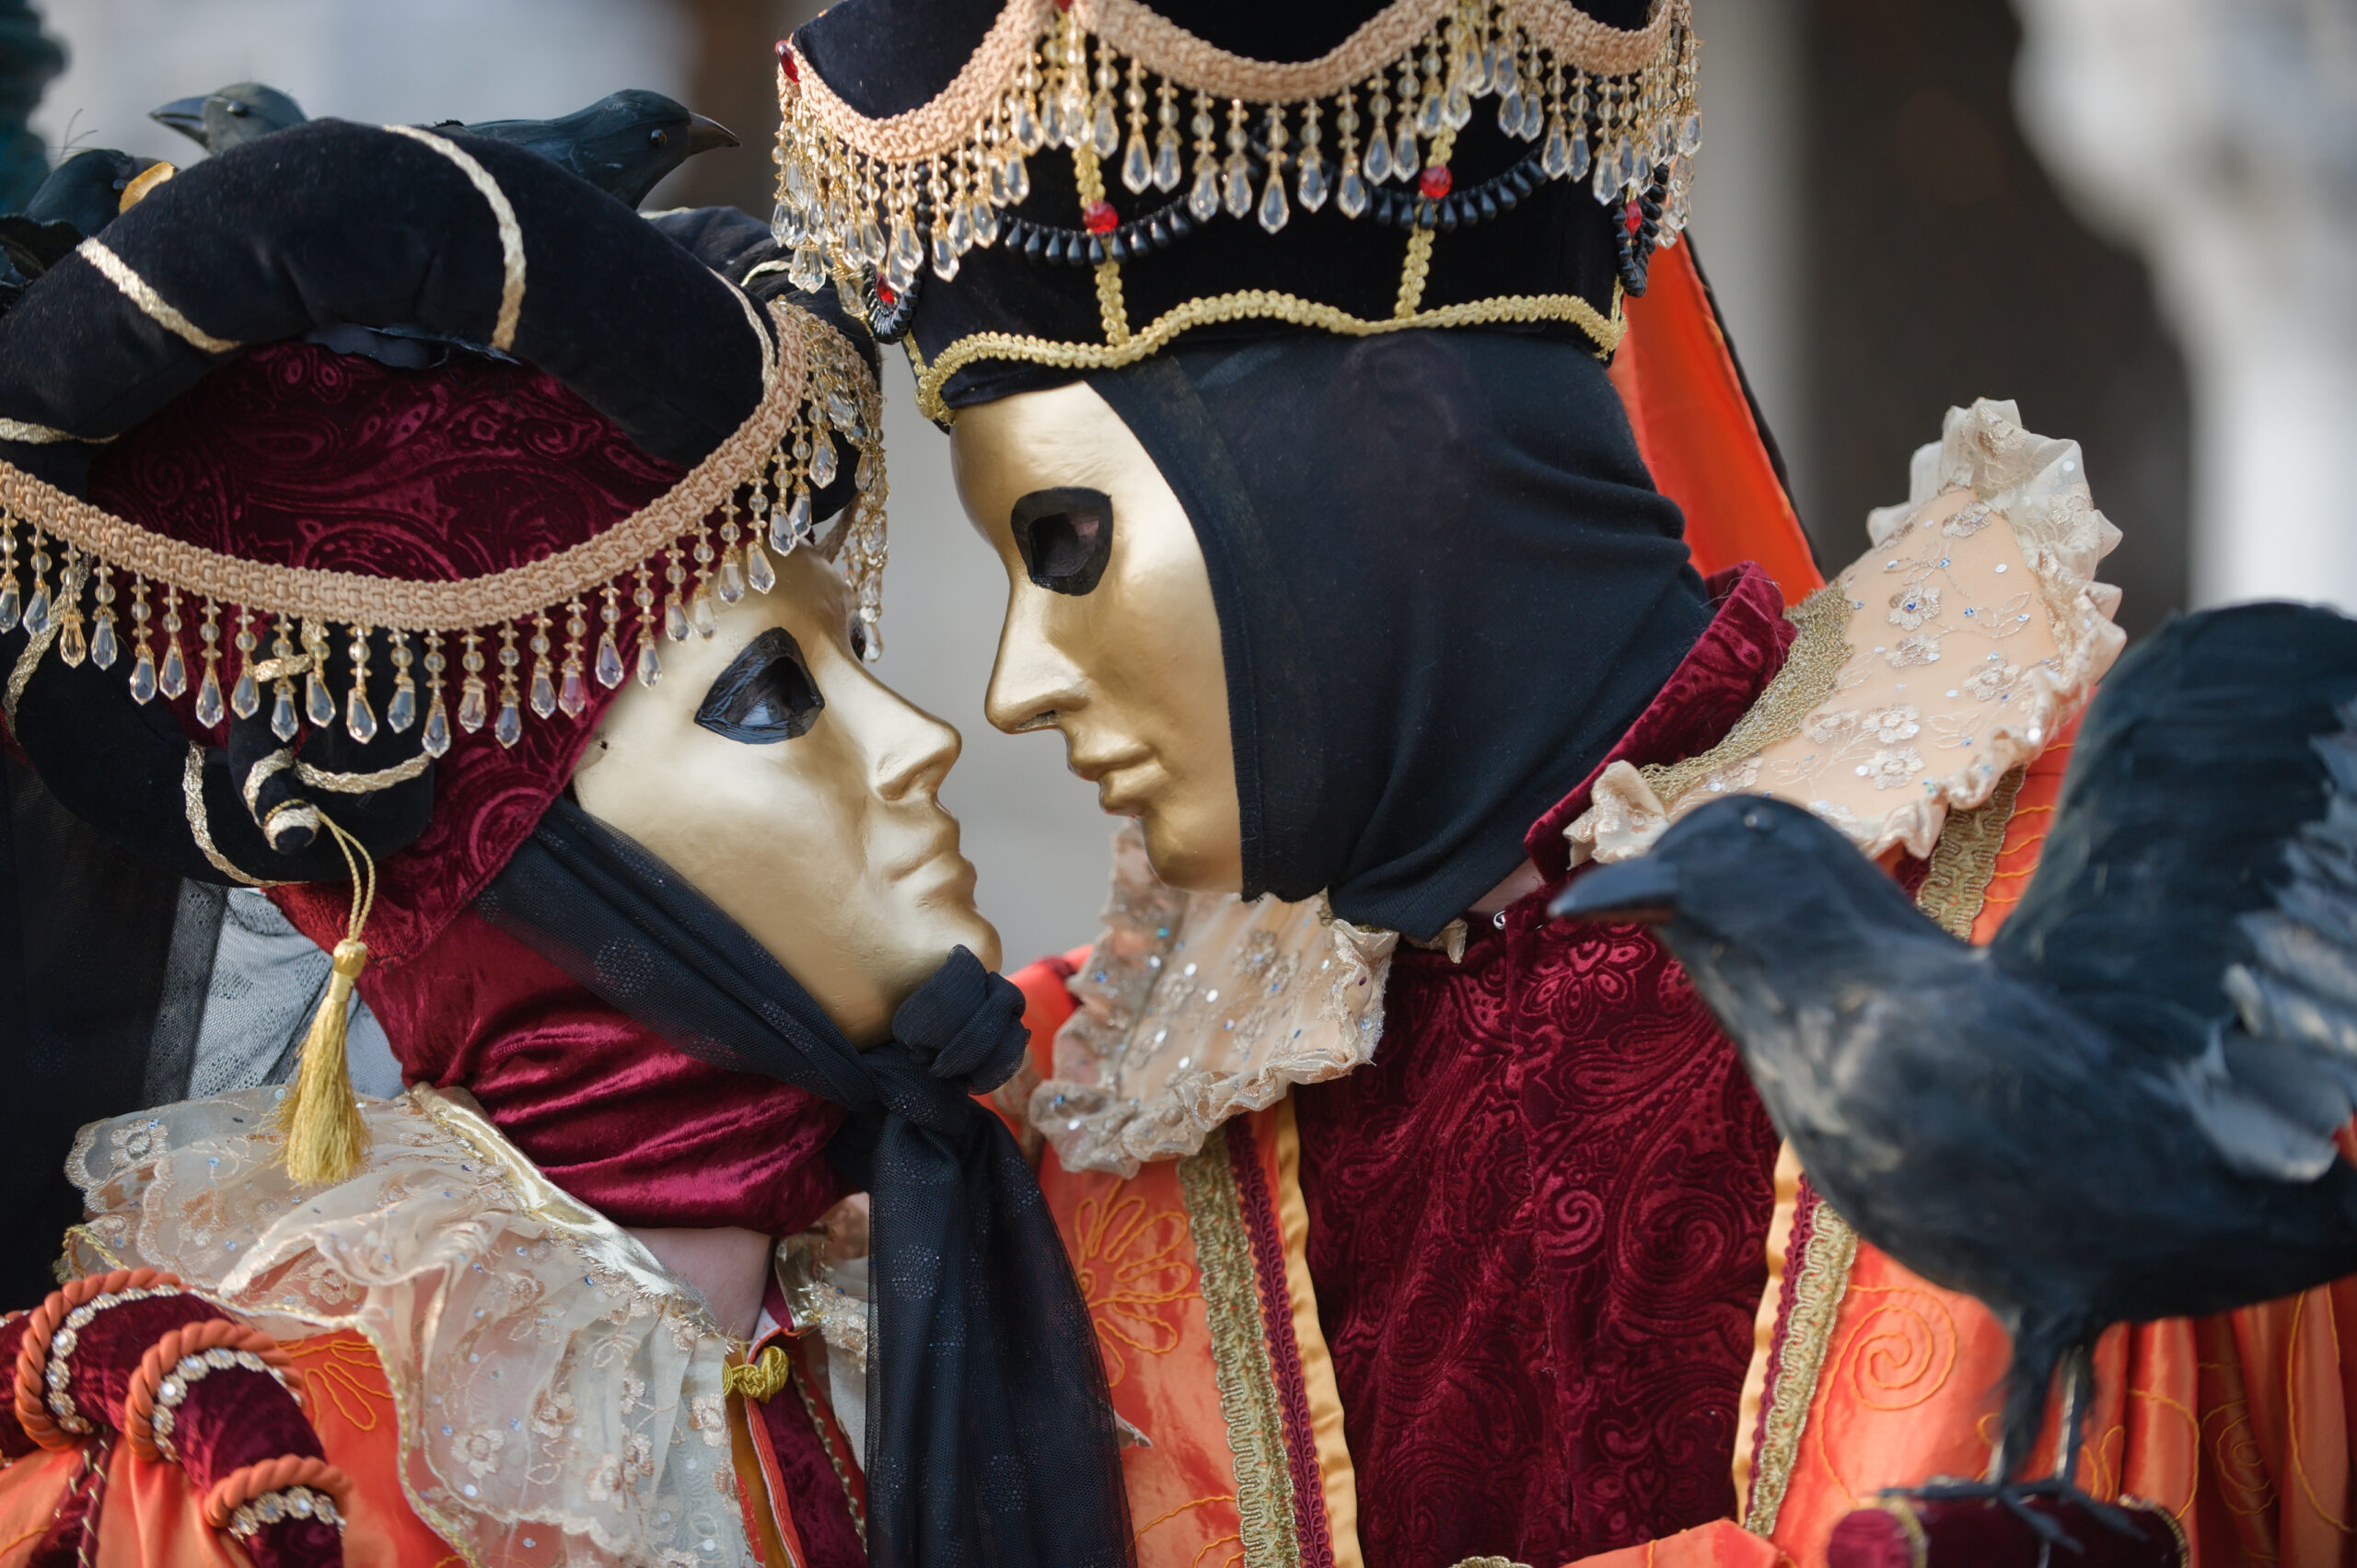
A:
x: 886, y: 294
x: 1100, y: 217
x: 1435, y: 181
x: 785, y: 60
x: 1632, y: 217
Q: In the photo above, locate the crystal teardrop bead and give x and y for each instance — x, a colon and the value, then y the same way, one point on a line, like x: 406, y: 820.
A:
x: 609, y: 662
x: 436, y: 739
x: 72, y: 645
x: 1203, y: 200
x: 12, y: 609
x: 1661, y: 142
x: 37, y: 608
x: 996, y: 182
x: 173, y: 683
x: 284, y: 720
x: 1456, y: 109
x: 1484, y: 76
x: 1029, y: 134
x: 104, y: 650
x: 510, y: 728
x: 732, y: 579
x: 675, y: 621
x: 945, y: 255
x: 1378, y: 158
x: 907, y: 256
x: 209, y: 706
x: 1405, y: 159
x: 809, y: 272
x: 847, y: 296
x: 650, y: 665
x: 701, y: 614
x: 1137, y: 169
x: 985, y: 222
x: 839, y: 411
x: 1275, y: 212
x: 544, y: 691
x: 1052, y: 123
x: 864, y: 476
x: 1166, y: 170
x: 1429, y: 116
x: 401, y: 711
x: 1606, y: 184
x: 318, y: 702
x: 1311, y: 185
x: 1350, y: 195
x: 573, y: 700
x: 871, y: 242
x: 1018, y: 180
x: 244, y: 697
x: 1106, y: 131
x: 1239, y: 186
x: 1556, y: 155
x: 961, y: 228
x: 1682, y: 173
x: 1689, y: 135
x: 1580, y: 158
x: 359, y: 719
x: 797, y: 517
x: 759, y: 575
x: 474, y: 708
x: 822, y: 464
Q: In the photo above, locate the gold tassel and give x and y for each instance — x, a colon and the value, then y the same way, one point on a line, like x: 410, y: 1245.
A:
x: 326, y: 1140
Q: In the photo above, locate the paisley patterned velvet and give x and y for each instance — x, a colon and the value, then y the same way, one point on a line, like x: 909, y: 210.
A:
x: 302, y: 457
x: 1537, y: 1219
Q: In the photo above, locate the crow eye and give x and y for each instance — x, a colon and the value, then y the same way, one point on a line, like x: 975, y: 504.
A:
x: 1064, y: 536
x: 657, y: 137
x: 765, y: 695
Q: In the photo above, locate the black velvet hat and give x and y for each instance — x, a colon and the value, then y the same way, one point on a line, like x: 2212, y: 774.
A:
x: 1023, y: 188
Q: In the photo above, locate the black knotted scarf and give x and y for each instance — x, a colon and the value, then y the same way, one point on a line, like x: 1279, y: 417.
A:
x: 990, y: 1432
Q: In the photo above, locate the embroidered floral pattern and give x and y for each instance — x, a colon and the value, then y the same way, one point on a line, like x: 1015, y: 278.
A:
x: 1134, y: 1273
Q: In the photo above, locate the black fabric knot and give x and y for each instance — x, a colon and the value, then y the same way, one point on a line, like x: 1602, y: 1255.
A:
x: 965, y: 1023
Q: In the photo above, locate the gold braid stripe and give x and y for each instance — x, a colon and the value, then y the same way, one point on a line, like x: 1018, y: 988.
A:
x: 1089, y: 175
x: 142, y: 293
x: 1247, y: 1384
x: 261, y: 773
x: 358, y: 599
x: 1806, y: 681
x: 362, y: 784
x: 1418, y: 265
x: 1255, y: 304
x: 502, y: 213
x: 43, y: 435
x: 199, y: 828
x: 1954, y: 887
x: 1165, y: 48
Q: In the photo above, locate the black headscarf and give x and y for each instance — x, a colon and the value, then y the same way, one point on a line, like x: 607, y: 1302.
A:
x: 989, y: 1431
x: 1446, y: 586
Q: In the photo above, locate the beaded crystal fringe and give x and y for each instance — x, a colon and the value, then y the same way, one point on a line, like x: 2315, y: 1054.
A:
x: 62, y: 570
x: 861, y: 199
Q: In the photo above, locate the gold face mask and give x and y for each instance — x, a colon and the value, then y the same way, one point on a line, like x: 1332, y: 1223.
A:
x: 797, y: 792
x: 1111, y: 636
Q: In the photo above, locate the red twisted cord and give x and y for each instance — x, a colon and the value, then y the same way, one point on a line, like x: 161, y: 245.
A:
x: 33, y: 1355
x: 192, y: 1339
x: 240, y: 1487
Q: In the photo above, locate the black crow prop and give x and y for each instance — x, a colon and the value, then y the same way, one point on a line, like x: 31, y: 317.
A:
x: 231, y: 116
x: 2124, y: 1108
x: 623, y: 144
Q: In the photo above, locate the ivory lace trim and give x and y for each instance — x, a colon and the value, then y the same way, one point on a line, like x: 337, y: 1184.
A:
x: 557, y: 1394
x: 1194, y: 1008
x: 1968, y: 645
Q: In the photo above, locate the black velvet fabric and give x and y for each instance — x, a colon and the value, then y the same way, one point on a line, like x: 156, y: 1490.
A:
x: 332, y: 222
x: 1446, y: 586
x: 887, y: 56
x: 989, y: 1431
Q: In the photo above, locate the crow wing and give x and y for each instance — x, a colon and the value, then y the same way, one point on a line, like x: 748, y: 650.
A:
x: 2197, y: 894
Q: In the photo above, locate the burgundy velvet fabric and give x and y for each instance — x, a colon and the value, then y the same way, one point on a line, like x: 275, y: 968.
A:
x: 296, y: 455
x: 814, y: 1492
x: 1537, y: 1219
x: 646, y: 1134
x: 1963, y: 1533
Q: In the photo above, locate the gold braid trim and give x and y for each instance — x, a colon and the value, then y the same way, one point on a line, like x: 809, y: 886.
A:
x: 1165, y: 48
x: 261, y: 773
x: 1953, y: 891
x: 1247, y: 1384
x: 1418, y: 265
x: 1806, y: 681
x: 142, y: 293
x: 363, y: 784
x: 43, y: 435
x: 358, y: 599
x: 1089, y: 175
x: 199, y: 828
x: 1254, y: 305
x: 502, y: 213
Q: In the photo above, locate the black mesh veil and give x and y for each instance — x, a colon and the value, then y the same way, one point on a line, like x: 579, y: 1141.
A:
x: 990, y: 1432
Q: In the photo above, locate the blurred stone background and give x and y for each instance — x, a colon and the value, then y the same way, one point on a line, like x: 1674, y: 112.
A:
x: 2133, y: 217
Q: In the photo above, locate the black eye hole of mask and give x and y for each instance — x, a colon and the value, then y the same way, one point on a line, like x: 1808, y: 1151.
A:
x: 1064, y: 536
x: 765, y: 695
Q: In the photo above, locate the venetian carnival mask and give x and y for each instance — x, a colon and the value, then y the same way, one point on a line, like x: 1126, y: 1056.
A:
x: 799, y: 793
x: 1111, y: 636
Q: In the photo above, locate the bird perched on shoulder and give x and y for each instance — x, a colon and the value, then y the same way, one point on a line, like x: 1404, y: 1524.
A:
x: 80, y: 197
x: 623, y: 144
x: 2122, y: 1109
x: 231, y: 116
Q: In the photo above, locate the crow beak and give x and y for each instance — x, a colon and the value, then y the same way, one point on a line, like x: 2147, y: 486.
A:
x: 185, y: 115
x: 709, y: 135
x: 1639, y: 892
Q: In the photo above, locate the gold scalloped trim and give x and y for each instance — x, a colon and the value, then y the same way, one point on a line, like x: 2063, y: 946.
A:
x: 1246, y: 305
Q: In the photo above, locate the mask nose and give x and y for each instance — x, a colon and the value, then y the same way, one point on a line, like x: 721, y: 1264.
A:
x: 1031, y: 681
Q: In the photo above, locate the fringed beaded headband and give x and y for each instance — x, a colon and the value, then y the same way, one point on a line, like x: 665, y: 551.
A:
x: 902, y: 164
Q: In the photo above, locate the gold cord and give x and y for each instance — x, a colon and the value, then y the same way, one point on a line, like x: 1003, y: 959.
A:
x: 325, y: 1136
